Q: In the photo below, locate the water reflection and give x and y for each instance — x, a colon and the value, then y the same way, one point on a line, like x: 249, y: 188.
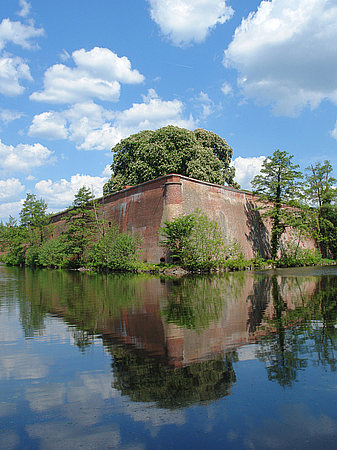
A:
x: 174, y: 342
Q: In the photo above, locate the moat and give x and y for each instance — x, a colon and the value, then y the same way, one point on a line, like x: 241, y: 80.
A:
x: 243, y: 360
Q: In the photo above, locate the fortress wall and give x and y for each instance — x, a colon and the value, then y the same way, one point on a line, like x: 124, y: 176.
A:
x: 143, y: 209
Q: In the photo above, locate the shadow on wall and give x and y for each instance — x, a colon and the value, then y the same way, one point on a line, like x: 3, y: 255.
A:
x: 258, y: 233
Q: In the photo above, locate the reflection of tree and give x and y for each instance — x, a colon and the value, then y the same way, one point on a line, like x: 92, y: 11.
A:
x: 196, y: 302
x: 281, y: 350
x: 259, y: 301
x: 81, y: 299
x: 146, y: 379
x: 324, y: 331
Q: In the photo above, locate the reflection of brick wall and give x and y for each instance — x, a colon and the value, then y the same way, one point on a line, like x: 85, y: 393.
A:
x: 143, y: 209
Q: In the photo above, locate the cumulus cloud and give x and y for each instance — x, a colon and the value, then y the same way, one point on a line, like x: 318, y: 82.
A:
x: 186, y: 21
x: 93, y: 127
x: 285, y: 54
x: 205, y: 105
x: 246, y: 169
x: 49, y: 125
x: 97, y: 74
x: 10, y: 188
x: 8, y: 116
x: 18, y: 33
x: 24, y: 157
x: 25, y: 8
x: 10, y: 209
x: 12, y: 70
x: 60, y: 194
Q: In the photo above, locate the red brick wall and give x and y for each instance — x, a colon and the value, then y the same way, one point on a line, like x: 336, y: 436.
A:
x: 143, y: 209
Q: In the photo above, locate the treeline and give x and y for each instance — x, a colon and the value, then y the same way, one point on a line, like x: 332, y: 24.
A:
x: 303, y: 203
x: 84, y: 242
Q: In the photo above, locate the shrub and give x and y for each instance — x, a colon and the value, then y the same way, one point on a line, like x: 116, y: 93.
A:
x: 194, y: 241
x: 52, y: 253
x: 115, y: 251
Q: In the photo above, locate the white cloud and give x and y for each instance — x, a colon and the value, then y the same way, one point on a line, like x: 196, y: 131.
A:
x: 25, y: 8
x: 10, y: 209
x: 49, y: 125
x: 334, y: 132
x: 12, y: 70
x: 10, y: 188
x: 286, y: 54
x: 226, y: 88
x: 24, y: 157
x: 18, y: 33
x: 186, y: 21
x: 246, y: 169
x: 97, y: 74
x: 60, y: 194
x: 205, y: 104
x: 93, y: 127
x: 8, y: 116
x: 107, y: 172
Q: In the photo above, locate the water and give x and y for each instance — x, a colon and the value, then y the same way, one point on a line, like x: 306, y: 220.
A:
x: 106, y: 361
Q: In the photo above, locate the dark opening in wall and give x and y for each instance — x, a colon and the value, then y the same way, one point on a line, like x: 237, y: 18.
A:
x: 110, y: 224
x: 162, y: 260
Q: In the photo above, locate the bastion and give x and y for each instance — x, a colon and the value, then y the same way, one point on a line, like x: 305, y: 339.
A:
x: 143, y: 209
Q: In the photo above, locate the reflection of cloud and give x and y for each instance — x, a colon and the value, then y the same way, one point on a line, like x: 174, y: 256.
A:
x: 60, y: 436
x: 149, y: 414
x: 9, y: 440
x: 7, y: 410
x: 21, y: 366
x: 10, y: 330
x: 296, y: 426
x: 47, y: 396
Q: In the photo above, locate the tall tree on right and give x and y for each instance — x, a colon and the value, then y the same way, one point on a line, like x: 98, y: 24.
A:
x: 278, y: 187
x: 321, y: 194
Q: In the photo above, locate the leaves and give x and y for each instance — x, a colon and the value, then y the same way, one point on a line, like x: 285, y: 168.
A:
x: 150, y: 154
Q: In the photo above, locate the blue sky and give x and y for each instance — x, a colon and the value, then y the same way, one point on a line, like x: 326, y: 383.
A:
x: 77, y: 76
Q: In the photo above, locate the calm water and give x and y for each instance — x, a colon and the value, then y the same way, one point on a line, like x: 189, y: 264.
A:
x: 239, y: 361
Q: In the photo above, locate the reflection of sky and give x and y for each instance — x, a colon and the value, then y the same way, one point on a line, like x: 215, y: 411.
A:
x: 62, y: 398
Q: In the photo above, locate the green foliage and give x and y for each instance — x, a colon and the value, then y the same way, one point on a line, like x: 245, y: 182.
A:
x: 278, y: 186
x: 16, y: 237
x: 149, y: 154
x: 293, y: 255
x: 81, y: 225
x: 115, y: 251
x: 321, y: 194
x: 194, y: 241
x: 52, y: 253
x: 32, y: 256
x: 33, y: 212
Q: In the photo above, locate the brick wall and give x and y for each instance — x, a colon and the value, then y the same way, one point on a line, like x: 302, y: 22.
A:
x: 143, y: 209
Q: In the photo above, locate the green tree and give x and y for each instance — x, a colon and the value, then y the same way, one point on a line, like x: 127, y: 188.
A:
x: 194, y: 241
x: 33, y: 213
x: 81, y: 225
x: 321, y: 193
x: 149, y: 154
x: 278, y: 187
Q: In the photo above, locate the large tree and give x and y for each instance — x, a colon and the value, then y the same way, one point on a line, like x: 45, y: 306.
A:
x: 149, y: 154
x: 81, y: 225
x: 278, y: 187
x: 321, y: 195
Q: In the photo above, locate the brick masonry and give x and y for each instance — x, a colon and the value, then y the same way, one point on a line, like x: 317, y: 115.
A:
x: 143, y: 209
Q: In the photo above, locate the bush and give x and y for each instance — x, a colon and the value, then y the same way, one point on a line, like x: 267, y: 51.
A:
x: 32, y: 256
x: 52, y: 253
x: 115, y: 251
x: 194, y: 241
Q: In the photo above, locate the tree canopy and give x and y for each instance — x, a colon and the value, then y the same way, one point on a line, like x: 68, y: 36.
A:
x: 277, y: 185
x: 149, y: 154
